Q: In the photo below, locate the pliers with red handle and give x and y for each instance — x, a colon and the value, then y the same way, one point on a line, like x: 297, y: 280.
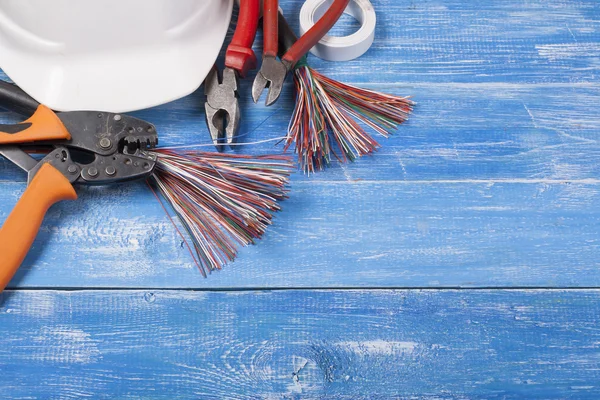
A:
x: 221, y: 89
x: 273, y: 71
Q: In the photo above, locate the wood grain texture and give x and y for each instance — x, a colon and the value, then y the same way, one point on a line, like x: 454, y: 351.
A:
x: 492, y: 182
x: 300, y: 344
x: 337, y: 235
x: 458, y: 131
x: 441, y: 41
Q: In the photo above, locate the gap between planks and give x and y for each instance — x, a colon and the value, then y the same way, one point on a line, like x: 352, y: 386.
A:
x: 584, y: 181
x: 307, y: 289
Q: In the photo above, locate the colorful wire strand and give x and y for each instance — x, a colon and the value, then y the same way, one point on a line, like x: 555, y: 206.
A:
x: 328, y: 114
x: 222, y: 200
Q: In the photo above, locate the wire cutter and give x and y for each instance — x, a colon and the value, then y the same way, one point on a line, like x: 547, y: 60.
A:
x: 85, y: 147
x: 273, y: 71
x: 221, y: 89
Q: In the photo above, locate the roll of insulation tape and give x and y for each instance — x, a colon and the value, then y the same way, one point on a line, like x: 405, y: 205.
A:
x: 334, y: 48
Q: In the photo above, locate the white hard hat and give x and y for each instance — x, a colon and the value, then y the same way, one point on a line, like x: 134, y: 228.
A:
x: 110, y: 55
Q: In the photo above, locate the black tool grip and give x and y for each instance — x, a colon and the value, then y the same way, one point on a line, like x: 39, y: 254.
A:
x: 287, y: 37
x: 13, y: 98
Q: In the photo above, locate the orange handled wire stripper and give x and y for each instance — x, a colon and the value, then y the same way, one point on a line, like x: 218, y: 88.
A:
x: 85, y: 147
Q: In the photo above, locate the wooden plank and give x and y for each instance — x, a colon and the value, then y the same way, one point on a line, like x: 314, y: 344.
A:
x: 300, y: 344
x: 458, y: 131
x: 501, y: 160
x: 456, y: 41
x: 385, y: 234
x: 485, y: 41
x: 541, y: 123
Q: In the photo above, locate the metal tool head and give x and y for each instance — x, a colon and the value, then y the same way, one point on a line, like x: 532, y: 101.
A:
x: 271, y: 76
x: 100, y: 170
x: 84, y: 167
x: 107, y: 147
x: 104, y: 148
x: 107, y: 133
x: 222, y: 106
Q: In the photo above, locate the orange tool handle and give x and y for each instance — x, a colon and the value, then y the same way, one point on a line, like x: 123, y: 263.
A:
x: 17, y: 234
x: 316, y: 33
x: 270, y: 28
x: 44, y: 124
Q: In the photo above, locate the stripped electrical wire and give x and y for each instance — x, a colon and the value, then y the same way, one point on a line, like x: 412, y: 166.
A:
x: 223, y: 200
x: 328, y: 114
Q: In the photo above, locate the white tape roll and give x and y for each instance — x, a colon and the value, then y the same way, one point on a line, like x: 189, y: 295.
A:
x: 334, y: 48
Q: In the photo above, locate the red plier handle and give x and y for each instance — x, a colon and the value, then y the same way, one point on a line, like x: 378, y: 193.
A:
x: 308, y: 40
x: 270, y: 28
x: 239, y: 55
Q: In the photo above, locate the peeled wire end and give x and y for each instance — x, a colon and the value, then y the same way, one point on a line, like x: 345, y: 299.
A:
x: 223, y: 201
x: 328, y: 116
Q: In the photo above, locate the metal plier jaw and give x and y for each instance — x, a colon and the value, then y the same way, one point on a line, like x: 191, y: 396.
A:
x: 112, y: 148
x: 273, y: 71
x: 222, y: 106
x: 271, y: 76
x: 97, y: 147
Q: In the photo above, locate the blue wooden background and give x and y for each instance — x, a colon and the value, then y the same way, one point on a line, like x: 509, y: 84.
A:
x: 460, y: 261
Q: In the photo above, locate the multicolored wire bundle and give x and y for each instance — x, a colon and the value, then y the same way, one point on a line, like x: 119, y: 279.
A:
x: 328, y: 114
x: 222, y: 200
x: 225, y: 201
